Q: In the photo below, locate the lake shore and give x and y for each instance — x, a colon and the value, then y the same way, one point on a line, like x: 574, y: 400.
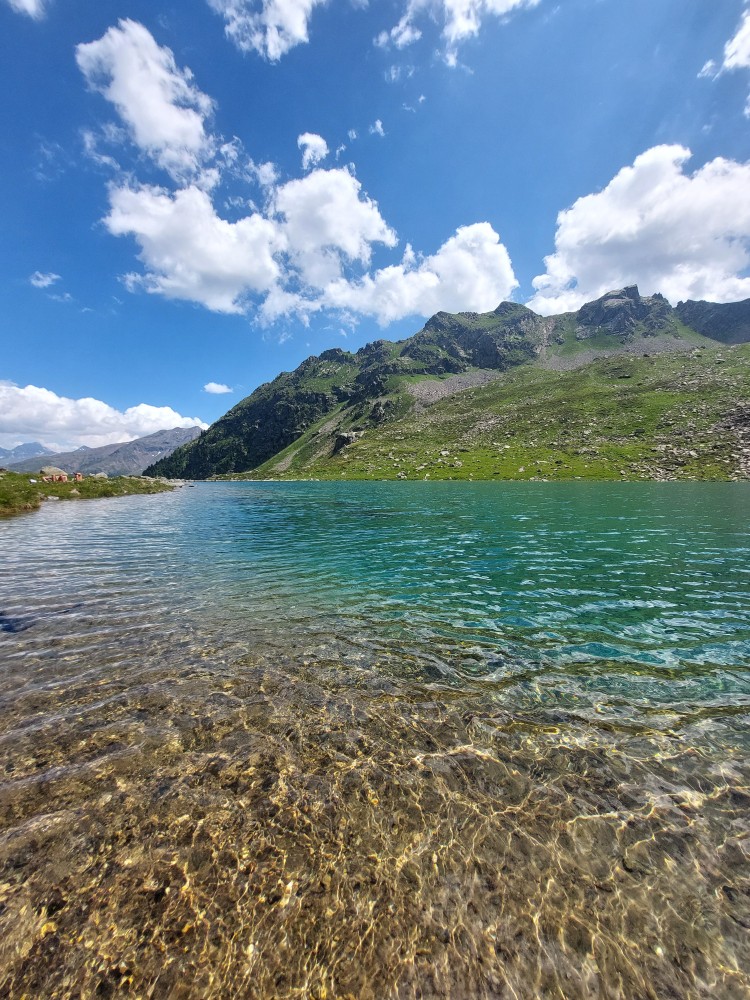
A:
x: 19, y: 495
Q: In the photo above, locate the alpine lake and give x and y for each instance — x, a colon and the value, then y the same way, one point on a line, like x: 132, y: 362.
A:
x: 378, y: 740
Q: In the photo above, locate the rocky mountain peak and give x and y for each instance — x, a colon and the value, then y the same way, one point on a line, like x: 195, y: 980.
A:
x: 624, y: 312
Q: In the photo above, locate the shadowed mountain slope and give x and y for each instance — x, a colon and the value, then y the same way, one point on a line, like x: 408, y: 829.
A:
x: 729, y: 323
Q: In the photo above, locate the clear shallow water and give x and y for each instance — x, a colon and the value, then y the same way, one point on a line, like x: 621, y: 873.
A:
x: 388, y: 740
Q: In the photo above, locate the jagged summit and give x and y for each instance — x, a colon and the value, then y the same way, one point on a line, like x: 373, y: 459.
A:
x: 625, y: 312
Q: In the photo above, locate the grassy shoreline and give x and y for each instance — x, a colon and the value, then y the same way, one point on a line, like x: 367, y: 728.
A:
x: 18, y: 495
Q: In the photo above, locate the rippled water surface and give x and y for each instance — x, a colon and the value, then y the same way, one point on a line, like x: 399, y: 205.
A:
x: 377, y: 741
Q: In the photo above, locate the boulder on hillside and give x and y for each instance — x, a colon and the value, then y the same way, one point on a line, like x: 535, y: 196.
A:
x: 344, y: 439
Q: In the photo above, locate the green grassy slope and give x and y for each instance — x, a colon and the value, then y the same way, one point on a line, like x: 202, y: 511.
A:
x: 670, y: 416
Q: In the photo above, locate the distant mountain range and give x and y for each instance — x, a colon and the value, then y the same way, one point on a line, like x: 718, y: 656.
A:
x: 21, y: 451
x: 127, y: 458
x: 330, y: 416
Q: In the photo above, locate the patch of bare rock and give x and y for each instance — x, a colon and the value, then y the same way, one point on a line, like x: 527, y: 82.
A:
x: 430, y: 391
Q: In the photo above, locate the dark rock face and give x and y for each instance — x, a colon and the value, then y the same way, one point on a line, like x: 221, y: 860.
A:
x: 624, y: 313
x: 336, y: 354
x: 727, y: 322
x: 381, y: 411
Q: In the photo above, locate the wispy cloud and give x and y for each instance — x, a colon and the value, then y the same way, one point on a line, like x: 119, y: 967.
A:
x: 461, y: 19
x: 737, y: 51
x: 40, y: 279
x: 34, y: 8
x: 52, y: 161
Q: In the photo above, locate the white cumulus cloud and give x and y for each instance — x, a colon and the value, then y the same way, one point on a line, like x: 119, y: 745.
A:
x: 309, y: 247
x: 190, y: 252
x: 656, y: 225
x: 470, y: 271
x: 268, y: 27
x: 319, y: 223
x: 315, y: 227
x: 164, y: 111
x: 217, y: 388
x: 311, y: 251
x: 37, y: 414
x: 327, y: 221
x: 314, y: 149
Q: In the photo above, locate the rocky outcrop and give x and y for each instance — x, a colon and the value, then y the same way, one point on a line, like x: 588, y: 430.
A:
x: 624, y: 313
x: 450, y: 344
x: 344, y: 439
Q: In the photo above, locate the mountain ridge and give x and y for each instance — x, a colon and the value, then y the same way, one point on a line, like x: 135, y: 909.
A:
x: 352, y: 394
x: 125, y: 458
x: 29, y: 449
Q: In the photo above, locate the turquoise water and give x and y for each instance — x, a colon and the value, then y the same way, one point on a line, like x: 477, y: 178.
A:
x: 377, y: 740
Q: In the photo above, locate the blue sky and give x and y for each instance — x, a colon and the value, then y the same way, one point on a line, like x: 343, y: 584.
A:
x: 197, y: 196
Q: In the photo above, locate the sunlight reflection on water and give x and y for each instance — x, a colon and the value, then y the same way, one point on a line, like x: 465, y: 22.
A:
x: 376, y: 740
